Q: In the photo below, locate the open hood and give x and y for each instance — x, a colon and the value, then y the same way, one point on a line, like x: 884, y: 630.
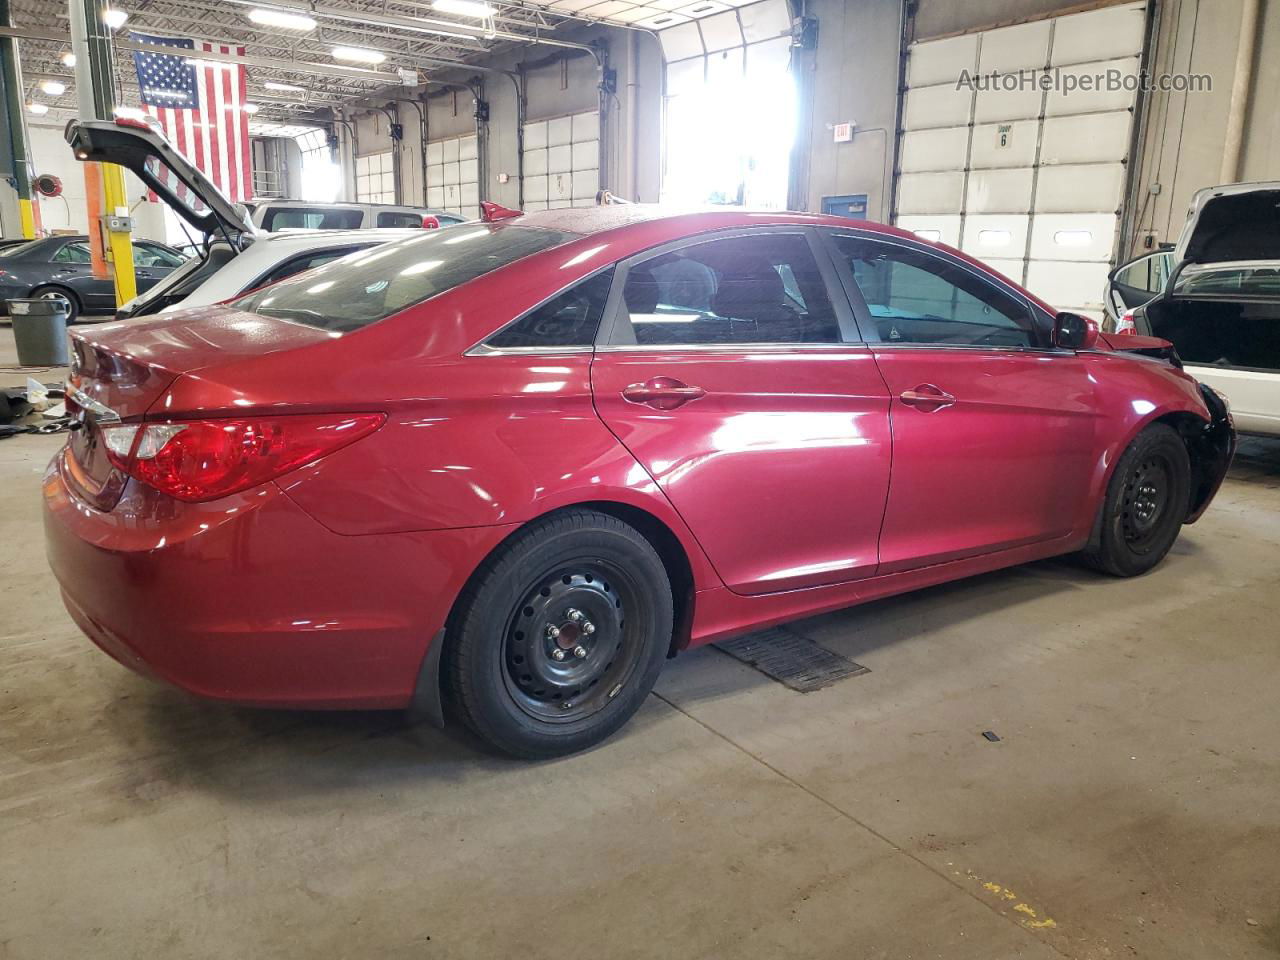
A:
x: 1237, y: 224
x: 135, y: 145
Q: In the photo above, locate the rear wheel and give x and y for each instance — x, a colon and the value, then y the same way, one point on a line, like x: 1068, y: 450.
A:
x: 560, y: 636
x: 1147, y: 501
x: 60, y: 295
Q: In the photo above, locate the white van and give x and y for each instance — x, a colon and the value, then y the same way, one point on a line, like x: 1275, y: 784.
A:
x: 275, y: 215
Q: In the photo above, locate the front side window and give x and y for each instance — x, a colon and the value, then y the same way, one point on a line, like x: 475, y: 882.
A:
x: 915, y: 296
x: 380, y: 281
x: 73, y: 253
x: 567, y: 320
x: 753, y: 289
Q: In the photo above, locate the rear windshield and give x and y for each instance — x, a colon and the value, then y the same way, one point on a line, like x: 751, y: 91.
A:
x: 367, y: 286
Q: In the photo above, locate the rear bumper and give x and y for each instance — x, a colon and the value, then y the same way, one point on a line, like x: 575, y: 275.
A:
x: 249, y: 600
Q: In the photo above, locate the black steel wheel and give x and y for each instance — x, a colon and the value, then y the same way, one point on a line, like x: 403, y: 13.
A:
x: 560, y: 635
x: 1147, y: 501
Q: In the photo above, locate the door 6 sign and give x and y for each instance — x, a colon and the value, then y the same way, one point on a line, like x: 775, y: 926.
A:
x: 1004, y: 135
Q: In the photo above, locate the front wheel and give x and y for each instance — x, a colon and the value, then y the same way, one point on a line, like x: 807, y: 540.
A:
x: 560, y: 635
x: 1146, y: 503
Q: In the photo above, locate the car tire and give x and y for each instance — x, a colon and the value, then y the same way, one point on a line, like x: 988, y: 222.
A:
x: 1147, y: 501
x: 53, y: 292
x: 559, y: 636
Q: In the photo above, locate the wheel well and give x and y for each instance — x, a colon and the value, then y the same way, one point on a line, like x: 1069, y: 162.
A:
x: 1199, y: 438
x: 71, y: 294
x: 668, y: 547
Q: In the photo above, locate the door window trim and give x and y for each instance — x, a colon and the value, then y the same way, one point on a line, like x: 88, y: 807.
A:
x: 616, y: 318
x: 1042, y: 320
x: 482, y: 349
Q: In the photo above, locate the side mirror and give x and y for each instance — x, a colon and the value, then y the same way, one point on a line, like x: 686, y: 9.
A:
x: 1074, y: 332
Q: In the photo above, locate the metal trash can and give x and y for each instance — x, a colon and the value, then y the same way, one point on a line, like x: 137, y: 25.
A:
x: 40, y: 329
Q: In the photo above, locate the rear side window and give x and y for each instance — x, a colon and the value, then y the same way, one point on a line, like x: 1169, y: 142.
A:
x: 386, y: 279
x: 312, y: 218
x: 390, y: 218
x: 73, y: 253
x: 568, y: 320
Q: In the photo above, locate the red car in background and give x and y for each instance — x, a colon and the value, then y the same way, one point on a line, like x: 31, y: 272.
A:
x: 512, y: 466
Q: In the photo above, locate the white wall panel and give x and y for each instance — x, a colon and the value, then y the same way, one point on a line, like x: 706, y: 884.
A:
x: 535, y: 188
x: 999, y: 191
x: 567, y: 169
x: 931, y: 193
x: 941, y: 61
x: 1092, y: 188
x: 1021, y: 47
x: 1095, y: 138
x: 1060, y: 102
x: 995, y: 236
x: 937, y: 106
x: 535, y: 135
x: 585, y: 155
x: 1011, y: 144
x: 535, y: 162
x: 947, y: 228
x: 1073, y: 236
x: 993, y: 105
x: 1099, y: 34
x: 924, y: 150
x: 560, y: 131
x: 1076, y: 287
x: 560, y: 159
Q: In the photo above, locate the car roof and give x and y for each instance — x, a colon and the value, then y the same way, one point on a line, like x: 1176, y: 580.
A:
x: 333, y: 238
x: 662, y: 224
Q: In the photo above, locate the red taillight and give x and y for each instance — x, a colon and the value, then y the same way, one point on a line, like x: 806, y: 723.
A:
x: 1125, y: 324
x: 197, y: 460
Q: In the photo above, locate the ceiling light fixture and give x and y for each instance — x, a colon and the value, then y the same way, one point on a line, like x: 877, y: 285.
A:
x: 278, y: 18
x: 53, y: 88
x: 284, y: 87
x: 38, y: 108
x: 464, y: 8
x: 68, y: 59
x: 113, y: 18
x: 250, y: 108
x: 358, y: 55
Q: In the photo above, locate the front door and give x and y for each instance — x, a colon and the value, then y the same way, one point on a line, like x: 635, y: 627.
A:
x: 993, y: 431
x: 735, y: 379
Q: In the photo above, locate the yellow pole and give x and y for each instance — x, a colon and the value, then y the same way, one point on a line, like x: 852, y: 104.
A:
x: 119, y: 241
x: 27, y: 217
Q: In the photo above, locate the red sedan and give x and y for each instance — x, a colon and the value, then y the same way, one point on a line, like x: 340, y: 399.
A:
x: 513, y: 466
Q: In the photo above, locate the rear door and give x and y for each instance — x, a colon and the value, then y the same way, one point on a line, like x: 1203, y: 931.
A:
x: 72, y: 267
x: 993, y: 430
x: 736, y: 378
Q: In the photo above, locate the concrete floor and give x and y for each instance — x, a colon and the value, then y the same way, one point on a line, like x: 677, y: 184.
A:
x: 1131, y: 808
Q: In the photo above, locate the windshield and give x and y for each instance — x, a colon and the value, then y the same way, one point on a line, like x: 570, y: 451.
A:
x: 375, y: 283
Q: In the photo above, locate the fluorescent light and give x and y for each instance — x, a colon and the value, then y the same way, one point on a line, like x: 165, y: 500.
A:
x: 38, y: 108
x: 464, y: 8
x: 250, y: 108
x: 358, y: 55
x: 285, y: 87
x: 68, y: 59
x: 278, y: 18
x: 113, y: 18
x: 53, y: 88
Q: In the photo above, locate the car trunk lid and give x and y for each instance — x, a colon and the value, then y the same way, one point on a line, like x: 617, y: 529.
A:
x: 1236, y: 223
x: 120, y: 370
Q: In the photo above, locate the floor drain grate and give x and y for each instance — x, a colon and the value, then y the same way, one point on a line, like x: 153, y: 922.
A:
x: 791, y: 659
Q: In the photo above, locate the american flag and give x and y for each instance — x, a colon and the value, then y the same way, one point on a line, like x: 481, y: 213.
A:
x: 198, y: 103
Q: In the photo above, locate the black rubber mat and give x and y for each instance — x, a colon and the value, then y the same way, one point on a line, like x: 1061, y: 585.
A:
x: 791, y: 659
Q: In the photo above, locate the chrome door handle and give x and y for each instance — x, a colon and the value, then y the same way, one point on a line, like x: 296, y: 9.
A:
x: 927, y: 397
x: 662, y: 393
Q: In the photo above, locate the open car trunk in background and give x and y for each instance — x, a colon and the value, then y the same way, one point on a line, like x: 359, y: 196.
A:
x: 118, y: 371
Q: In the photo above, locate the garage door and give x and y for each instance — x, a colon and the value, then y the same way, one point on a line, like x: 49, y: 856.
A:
x: 561, y: 161
x: 453, y: 176
x: 1027, y: 176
